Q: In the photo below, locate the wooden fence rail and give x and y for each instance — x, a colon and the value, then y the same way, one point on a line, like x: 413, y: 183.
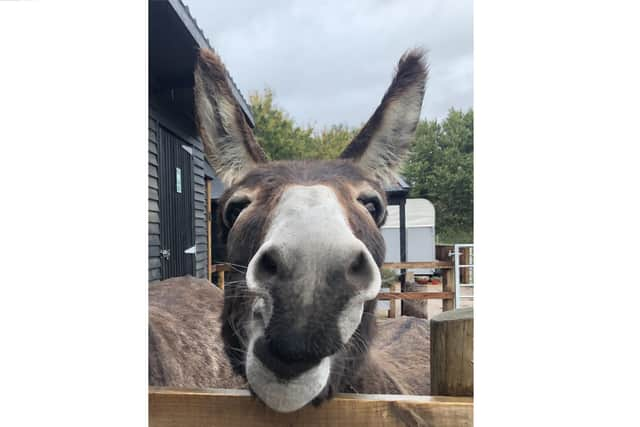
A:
x: 415, y: 295
x: 419, y: 264
x: 218, y: 407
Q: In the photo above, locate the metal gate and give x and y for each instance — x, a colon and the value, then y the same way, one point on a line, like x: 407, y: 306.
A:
x: 463, y: 269
x: 177, y: 234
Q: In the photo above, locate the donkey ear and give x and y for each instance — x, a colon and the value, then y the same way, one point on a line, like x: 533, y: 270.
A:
x: 228, y: 140
x: 383, y: 142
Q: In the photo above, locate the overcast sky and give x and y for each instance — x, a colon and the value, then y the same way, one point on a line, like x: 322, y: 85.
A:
x: 330, y: 62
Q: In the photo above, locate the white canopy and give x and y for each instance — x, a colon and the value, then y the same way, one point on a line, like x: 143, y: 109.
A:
x: 419, y: 213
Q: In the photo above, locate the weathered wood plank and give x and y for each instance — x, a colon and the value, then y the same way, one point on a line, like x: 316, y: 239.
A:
x: 153, y: 194
x: 154, y: 262
x: 153, y: 159
x: 190, y: 408
x: 449, y: 285
x: 155, y: 274
x: 154, y: 217
x: 153, y: 183
x: 415, y: 295
x: 421, y: 264
x: 198, y: 159
x: 219, y: 267
x: 153, y: 206
x: 153, y: 147
x: 154, y: 228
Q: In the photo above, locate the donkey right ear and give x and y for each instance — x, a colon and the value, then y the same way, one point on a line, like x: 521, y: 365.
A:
x: 383, y: 143
x: 228, y: 140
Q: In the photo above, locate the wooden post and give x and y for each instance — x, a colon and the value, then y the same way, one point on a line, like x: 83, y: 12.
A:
x: 403, y: 241
x: 221, y: 279
x: 394, y: 304
x: 449, y: 285
x: 409, y: 277
x: 452, y: 353
x: 220, y: 269
x: 442, y: 252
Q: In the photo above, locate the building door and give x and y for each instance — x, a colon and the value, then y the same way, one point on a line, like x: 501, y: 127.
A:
x: 177, y: 237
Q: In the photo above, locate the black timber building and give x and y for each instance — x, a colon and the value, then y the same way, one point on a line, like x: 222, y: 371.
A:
x: 179, y: 175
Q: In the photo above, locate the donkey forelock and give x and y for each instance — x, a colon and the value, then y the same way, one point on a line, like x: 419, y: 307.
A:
x: 304, y: 238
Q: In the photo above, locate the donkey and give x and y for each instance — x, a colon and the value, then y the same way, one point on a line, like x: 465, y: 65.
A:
x: 297, y: 321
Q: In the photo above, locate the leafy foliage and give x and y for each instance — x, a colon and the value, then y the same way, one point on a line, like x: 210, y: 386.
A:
x: 439, y: 168
x: 282, y: 139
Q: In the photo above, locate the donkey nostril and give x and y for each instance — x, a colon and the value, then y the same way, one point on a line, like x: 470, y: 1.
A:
x: 268, y: 263
x: 360, y: 271
x: 359, y: 264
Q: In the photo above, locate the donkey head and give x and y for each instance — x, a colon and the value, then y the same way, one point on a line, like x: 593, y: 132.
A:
x: 297, y: 321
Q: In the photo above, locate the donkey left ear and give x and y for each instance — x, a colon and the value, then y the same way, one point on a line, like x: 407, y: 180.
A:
x: 228, y: 140
x: 384, y: 141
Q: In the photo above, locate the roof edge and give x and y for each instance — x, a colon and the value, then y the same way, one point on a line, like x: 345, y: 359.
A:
x: 190, y: 23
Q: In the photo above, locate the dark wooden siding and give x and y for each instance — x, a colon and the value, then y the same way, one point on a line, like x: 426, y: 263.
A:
x: 154, y: 209
x: 200, y: 208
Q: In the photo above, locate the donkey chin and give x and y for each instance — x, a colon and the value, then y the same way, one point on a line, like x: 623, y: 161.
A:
x: 280, y: 394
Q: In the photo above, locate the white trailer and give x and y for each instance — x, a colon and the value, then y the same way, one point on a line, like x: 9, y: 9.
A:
x: 421, y: 232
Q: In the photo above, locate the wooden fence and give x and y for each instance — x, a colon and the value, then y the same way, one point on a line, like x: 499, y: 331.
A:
x: 448, y: 295
x: 451, y: 374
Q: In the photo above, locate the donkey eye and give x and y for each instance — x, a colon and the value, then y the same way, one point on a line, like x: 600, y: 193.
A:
x: 373, y: 206
x: 234, y: 209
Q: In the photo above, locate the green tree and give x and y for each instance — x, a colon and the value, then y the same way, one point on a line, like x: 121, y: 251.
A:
x: 282, y: 139
x: 440, y: 168
x: 330, y: 142
x: 275, y: 131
